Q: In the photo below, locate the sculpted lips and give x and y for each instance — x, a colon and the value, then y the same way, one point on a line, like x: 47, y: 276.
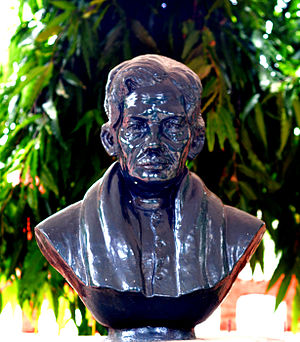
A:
x: 153, y: 163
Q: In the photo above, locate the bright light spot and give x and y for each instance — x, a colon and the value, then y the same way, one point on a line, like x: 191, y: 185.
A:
x: 298, y: 5
x: 18, y: 272
x: 297, y: 131
x: 276, y: 65
x: 2, y: 165
x: 50, y: 109
x: 265, y: 82
x: 281, y: 4
x: 278, y: 9
x: 263, y: 61
x: 259, y: 214
x: 14, y: 177
x: 278, y: 57
x: 16, y: 67
x: 27, y: 14
x: 273, y: 73
x: 275, y: 224
x: 265, y: 36
x: 78, y: 317
x: 12, y: 126
x: 12, y: 103
x: 269, y: 26
x: 275, y: 86
x: 69, y: 329
x: 210, y: 327
x: 163, y: 5
x: 3, y: 140
x: 38, y: 15
x: 37, y: 146
x: 265, y: 322
x: 23, y: 78
x: 6, y: 130
x: 287, y: 15
x: 10, y: 322
x: 298, y: 13
x: 32, y: 24
x: 257, y: 42
x: 234, y: 2
x: 52, y: 39
x: 46, y: 322
x: 9, y: 21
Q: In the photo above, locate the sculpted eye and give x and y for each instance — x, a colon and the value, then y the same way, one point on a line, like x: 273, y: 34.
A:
x: 134, y: 129
x: 136, y: 126
x: 175, y: 128
x: 173, y: 125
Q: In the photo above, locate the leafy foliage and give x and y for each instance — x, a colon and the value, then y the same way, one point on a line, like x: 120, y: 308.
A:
x: 51, y: 111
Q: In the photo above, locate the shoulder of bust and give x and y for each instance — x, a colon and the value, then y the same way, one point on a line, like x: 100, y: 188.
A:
x: 61, y: 224
x: 58, y: 240
x: 243, y: 234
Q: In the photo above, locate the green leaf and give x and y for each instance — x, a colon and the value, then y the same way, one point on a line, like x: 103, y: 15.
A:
x: 72, y: 79
x: 280, y: 269
x: 10, y: 294
x: 249, y: 106
x: 255, y: 161
x: 285, y: 129
x: 296, y: 106
x: 259, y: 118
x: 209, y: 87
x: 33, y: 73
x: 48, y: 32
x: 189, y: 42
x: 296, y: 310
x: 100, y: 17
x: 48, y: 180
x: 200, y: 66
x: 59, y: 19
x: 32, y: 91
x: 229, y: 127
x: 143, y: 35
x: 283, y: 289
x: 63, y: 4
x: 57, y: 133
x: 87, y: 120
x: 211, y: 126
x: 93, y: 8
x: 86, y: 58
x: 210, y: 100
x: 248, y: 192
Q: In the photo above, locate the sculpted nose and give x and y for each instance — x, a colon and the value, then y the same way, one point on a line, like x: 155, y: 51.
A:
x: 153, y: 138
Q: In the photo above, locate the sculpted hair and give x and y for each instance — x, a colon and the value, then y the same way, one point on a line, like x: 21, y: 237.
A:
x: 148, y: 70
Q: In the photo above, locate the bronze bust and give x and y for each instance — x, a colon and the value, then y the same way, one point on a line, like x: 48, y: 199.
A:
x: 150, y: 250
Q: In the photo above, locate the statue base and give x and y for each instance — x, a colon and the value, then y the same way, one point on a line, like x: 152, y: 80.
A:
x: 149, y: 334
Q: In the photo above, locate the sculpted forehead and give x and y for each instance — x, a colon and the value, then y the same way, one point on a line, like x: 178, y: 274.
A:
x: 160, y: 98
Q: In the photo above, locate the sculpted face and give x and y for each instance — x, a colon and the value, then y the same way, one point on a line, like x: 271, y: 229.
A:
x: 154, y: 136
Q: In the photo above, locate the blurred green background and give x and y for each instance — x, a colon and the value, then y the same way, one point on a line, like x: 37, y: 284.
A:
x: 51, y: 110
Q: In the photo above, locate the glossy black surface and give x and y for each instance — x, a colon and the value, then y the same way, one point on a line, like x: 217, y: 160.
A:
x: 150, y: 250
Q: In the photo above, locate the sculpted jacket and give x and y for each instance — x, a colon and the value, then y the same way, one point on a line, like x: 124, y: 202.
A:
x: 108, y: 241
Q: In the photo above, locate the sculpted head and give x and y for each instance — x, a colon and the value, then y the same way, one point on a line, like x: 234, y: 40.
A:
x: 155, y: 124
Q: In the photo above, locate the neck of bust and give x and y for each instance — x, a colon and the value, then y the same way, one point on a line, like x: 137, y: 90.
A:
x: 153, y: 195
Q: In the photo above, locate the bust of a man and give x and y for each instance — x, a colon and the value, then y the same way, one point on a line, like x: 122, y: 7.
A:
x: 150, y: 250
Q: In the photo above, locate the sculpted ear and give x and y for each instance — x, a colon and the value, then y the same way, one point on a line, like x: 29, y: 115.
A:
x: 197, y: 142
x: 108, y: 139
